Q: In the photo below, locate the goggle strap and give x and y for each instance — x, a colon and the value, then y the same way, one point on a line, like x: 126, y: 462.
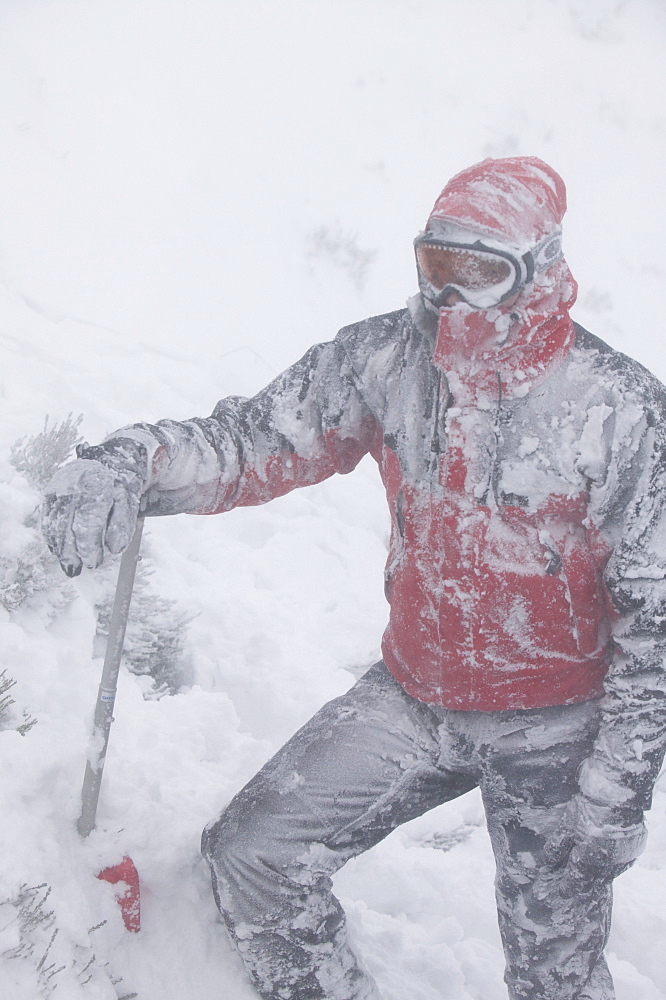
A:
x: 545, y: 253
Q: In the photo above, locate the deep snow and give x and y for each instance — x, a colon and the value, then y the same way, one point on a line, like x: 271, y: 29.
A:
x: 192, y: 193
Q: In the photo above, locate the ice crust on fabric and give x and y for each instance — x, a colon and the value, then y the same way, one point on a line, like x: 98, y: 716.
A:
x: 364, y: 764
x: 91, y: 504
x: 520, y: 198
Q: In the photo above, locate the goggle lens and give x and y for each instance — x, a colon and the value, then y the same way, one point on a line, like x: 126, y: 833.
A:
x: 471, y: 270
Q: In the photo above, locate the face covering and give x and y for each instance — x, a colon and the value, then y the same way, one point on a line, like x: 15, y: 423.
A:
x: 510, y: 322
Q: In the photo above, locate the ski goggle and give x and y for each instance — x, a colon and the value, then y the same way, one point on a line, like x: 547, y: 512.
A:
x: 483, y: 274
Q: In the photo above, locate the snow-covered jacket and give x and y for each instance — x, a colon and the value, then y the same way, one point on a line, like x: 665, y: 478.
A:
x: 524, y: 463
x: 530, y: 571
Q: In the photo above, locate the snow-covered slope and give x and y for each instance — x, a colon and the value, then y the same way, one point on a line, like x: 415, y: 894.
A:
x: 191, y: 193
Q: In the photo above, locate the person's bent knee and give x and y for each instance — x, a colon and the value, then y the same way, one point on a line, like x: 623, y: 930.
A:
x: 245, y: 839
x: 224, y: 838
x: 232, y: 857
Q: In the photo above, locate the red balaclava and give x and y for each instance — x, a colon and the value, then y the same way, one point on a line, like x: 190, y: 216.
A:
x: 519, y: 200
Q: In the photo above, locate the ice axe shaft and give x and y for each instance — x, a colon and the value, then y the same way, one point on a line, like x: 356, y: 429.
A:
x: 106, y: 695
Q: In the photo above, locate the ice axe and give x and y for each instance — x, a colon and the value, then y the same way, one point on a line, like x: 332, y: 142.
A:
x: 124, y: 875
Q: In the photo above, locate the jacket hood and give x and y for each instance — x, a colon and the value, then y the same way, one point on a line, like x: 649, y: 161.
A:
x: 519, y: 198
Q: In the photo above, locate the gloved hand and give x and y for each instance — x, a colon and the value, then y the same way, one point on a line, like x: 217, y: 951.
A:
x: 607, y: 839
x: 92, y: 503
x: 602, y: 841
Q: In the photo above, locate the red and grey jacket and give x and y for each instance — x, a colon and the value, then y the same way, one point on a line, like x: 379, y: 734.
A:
x: 527, y: 530
x: 524, y: 463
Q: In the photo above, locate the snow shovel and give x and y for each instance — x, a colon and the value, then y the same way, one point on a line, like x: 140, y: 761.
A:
x: 124, y: 874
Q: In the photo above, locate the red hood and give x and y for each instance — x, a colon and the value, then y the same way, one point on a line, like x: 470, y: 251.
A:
x: 521, y: 200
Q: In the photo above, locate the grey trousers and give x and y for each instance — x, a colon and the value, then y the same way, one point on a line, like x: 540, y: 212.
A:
x: 369, y: 761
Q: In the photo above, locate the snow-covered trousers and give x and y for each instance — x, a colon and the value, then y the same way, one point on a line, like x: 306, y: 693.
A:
x: 369, y: 761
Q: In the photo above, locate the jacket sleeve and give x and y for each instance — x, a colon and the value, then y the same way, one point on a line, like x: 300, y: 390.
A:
x: 307, y: 424
x: 620, y: 773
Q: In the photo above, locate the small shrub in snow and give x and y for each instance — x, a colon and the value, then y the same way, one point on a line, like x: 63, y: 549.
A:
x: 33, y: 571
x: 26, y: 565
x: 6, y: 702
x: 28, y: 933
x: 155, y: 637
x: 37, y: 458
x: 27, y: 929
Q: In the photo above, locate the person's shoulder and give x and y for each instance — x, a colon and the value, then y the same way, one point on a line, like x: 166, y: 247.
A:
x: 621, y: 372
x: 374, y: 331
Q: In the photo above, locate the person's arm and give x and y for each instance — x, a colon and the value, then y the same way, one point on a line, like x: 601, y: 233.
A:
x: 617, y: 779
x: 307, y: 424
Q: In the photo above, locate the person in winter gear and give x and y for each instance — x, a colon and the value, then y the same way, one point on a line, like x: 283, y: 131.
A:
x: 524, y: 467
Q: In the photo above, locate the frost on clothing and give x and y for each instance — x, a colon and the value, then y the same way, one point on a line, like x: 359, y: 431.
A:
x: 92, y: 505
x: 366, y: 763
x: 527, y: 570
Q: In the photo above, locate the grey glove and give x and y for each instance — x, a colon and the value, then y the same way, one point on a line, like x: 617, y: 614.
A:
x: 607, y: 838
x: 92, y: 503
x: 596, y: 843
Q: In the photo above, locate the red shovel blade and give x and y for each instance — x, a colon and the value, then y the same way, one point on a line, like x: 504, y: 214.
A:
x: 126, y: 877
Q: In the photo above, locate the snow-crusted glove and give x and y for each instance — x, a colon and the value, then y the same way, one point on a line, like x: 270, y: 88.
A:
x: 606, y: 842
x: 92, y: 503
x: 601, y: 840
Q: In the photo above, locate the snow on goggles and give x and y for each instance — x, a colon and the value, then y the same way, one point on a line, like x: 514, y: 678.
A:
x: 482, y: 274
